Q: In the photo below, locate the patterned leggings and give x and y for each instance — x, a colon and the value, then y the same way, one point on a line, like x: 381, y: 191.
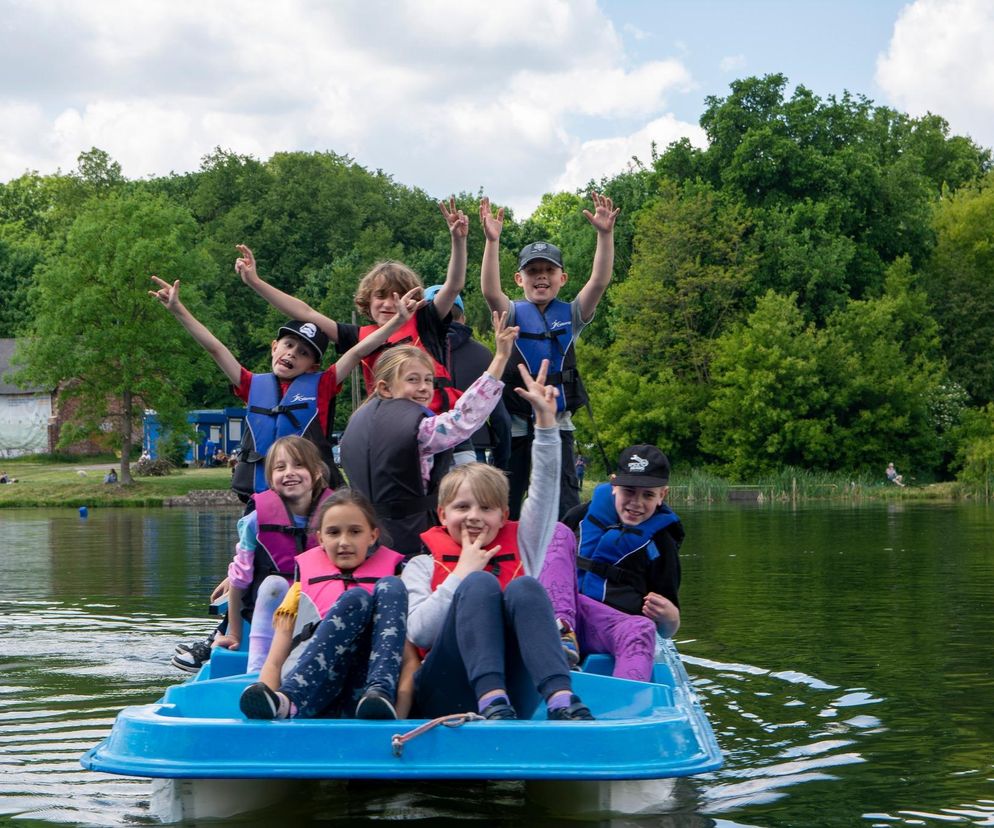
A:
x: 358, y: 646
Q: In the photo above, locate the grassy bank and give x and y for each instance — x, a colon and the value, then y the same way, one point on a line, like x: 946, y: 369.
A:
x: 42, y: 483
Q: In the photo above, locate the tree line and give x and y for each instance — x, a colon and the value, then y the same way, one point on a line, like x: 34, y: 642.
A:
x: 815, y: 288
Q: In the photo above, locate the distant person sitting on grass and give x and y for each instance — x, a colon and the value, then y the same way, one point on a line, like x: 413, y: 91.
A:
x: 4, y: 478
x: 110, y: 477
x: 893, y: 476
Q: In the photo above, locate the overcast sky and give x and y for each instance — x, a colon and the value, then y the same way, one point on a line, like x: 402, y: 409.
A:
x: 519, y: 97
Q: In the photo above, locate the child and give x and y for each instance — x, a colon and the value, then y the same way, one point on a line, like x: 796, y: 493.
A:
x: 629, y: 567
x: 549, y: 327
x: 475, y: 605
x: 295, y: 398
x: 373, y: 299
x: 337, y: 649
x: 466, y: 359
x: 270, y: 537
x: 389, y: 446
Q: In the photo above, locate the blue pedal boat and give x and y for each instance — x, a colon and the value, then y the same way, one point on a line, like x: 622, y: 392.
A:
x: 212, y: 759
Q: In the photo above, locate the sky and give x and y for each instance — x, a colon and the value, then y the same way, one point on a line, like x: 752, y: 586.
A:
x: 515, y: 97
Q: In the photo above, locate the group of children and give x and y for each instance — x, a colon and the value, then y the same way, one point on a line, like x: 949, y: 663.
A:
x: 426, y: 588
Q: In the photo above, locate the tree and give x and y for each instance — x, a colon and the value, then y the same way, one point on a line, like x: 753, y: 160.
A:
x: 98, y: 333
x: 770, y: 404
x: 960, y: 286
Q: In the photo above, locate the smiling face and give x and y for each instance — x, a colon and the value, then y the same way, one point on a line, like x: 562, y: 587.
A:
x: 292, y: 356
x: 414, y: 381
x: 636, y: 505
x: 382, y: 307
x: 466, y: 509
x: 346, y: 536
x: 541, y: 281
x: 292, y: 480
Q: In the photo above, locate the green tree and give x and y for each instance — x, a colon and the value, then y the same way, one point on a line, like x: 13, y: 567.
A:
x: 96, y: 332
x: 961, y: 288
x: 770, y: 403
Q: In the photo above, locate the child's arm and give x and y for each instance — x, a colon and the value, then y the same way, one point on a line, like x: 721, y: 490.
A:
x: 541, y: 506
x: 405, y: 684
x: 450, y: 428
x: 283, y: 302
x: 492, y: 223
x: 232, y: 638
x: 169, y: 296
x: 602, y: 219
x: 663, y: 612
x: 407, y: 305
x: 278, y: 651
x: 455, y: 277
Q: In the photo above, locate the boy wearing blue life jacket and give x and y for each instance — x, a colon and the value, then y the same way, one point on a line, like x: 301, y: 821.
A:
x: 297, y: 397
x: 548, y: 330
x: 620, y: 588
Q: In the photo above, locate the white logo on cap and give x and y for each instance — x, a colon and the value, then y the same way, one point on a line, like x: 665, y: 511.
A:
x: 539, y: 246
x: 308, y: 329
x: 637, y: 464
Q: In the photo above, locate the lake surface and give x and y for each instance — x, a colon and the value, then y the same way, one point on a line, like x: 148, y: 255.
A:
x: 844, y: 655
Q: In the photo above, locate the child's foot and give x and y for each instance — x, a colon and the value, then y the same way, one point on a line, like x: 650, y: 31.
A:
x: 499, y: 709
x: 574, y: 711
x: 571, y: 647
x: 191, y: 657
x: 375, y: 705
x: 260, y: 702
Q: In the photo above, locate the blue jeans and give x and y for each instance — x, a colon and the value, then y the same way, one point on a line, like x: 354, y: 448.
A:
x: 358, y: 646
x: 491, y: 640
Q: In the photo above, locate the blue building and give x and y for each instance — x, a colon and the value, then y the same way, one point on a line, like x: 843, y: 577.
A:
x: 216, y: 429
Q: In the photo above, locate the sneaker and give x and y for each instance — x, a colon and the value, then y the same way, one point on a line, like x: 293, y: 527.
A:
x: 499, y: 709
x: 260, y: 702
x: 375, y: 705
x: 576, y: 711
x: 191, y: 657
x: 571, y: 647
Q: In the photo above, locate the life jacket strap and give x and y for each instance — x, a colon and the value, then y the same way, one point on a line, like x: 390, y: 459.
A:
x: 609, y: 572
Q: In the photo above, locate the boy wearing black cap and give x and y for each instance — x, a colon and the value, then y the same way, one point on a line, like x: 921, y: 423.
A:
x: 548, y: 329
x: 296, y: 398
x: 629, y: 567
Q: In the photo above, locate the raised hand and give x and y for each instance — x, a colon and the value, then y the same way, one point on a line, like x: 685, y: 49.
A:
x: 541, y: 396
x: 457, y: 220
x: 503, y: 336
x: 604, y: 213
x: 408, y: 304
x: 167, y: 294
x: 493, y: 223
x: 245, y: 265
x: 473, y: 557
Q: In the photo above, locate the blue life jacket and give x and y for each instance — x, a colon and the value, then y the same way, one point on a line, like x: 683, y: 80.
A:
x: 614, y: 559
x: 271, y: 416
x: 544, y: 335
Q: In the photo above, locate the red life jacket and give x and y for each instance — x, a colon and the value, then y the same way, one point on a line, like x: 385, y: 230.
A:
x: 446, y: 393
x: 445, y: 551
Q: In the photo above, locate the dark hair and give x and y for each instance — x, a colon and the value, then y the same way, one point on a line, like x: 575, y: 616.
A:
x: 349, y: 497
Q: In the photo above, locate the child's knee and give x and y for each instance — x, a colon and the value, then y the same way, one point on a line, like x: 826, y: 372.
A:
x: 273, y: 589
x: 637, y: 632
x: 391, y: 585
x: 477, y: 584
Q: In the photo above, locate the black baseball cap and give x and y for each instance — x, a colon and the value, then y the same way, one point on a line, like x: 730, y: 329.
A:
x: 642, y: 466
x: 540, y: 250
x: 309, y: 332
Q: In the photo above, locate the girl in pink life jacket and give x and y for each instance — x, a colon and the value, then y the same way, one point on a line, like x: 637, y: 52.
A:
x: 269, y: 539
x: 340, y: 631
x: 475, y: 604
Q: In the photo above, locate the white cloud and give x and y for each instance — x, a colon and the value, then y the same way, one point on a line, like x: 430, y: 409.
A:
x: 733, y: 64
x: 594, y: 159
x: 941, y: 60
x: 445, y: 97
